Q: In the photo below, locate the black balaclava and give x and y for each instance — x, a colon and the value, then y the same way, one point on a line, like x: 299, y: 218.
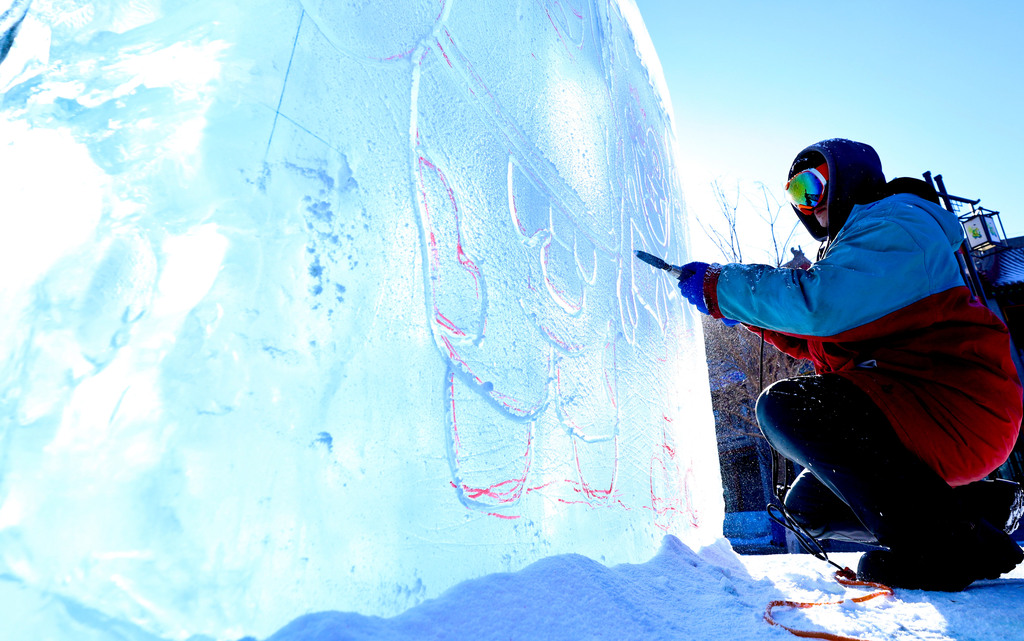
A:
x: 854, y: 178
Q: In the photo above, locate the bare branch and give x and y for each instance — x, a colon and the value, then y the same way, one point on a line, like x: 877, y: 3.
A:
x: 736, y: 368
x: 727, y: 241
x: 770, y: 214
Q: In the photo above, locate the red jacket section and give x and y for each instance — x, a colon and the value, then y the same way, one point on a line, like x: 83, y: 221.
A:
x: 949, y: 386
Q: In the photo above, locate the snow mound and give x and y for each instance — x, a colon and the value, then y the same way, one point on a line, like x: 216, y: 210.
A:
x: 677, y: 594
x: 712, y: 594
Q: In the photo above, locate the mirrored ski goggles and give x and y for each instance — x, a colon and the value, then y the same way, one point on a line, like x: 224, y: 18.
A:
x: 806, y: 189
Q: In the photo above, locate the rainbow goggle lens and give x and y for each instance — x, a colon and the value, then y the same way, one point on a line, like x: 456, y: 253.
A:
x: 805, y: 190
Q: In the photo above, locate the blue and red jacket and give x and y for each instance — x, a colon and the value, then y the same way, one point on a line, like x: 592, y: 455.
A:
x: 886, y: 307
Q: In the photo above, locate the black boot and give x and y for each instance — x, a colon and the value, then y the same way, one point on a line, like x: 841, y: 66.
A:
x: 825, y: 516
x: 998, y: 501
x: 968, y: 553
x: 1016, y: 511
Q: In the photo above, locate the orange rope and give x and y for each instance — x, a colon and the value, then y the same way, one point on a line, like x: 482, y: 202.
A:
x: 845, y: 577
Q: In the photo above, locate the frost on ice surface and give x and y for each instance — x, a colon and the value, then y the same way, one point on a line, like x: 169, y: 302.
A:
x: 317, y: 305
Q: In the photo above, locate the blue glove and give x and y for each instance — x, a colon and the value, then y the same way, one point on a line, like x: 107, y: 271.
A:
x: 692, y: 288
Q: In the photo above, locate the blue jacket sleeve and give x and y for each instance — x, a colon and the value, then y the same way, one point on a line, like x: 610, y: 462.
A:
x: 884, y: 259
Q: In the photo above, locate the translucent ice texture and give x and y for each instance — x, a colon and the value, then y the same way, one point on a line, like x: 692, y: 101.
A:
x: 327, y: 305
x: 12, y: 13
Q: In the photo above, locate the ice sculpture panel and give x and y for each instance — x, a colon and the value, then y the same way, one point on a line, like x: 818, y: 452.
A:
x: 319, y: 305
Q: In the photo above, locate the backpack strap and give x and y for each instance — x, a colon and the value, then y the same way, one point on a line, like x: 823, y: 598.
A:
x: 914, y: 186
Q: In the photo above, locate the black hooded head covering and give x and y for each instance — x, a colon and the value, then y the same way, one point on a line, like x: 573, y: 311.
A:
x: 854, y: 178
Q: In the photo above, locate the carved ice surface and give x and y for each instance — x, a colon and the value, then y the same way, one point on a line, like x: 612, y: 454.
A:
x: 326, y: 305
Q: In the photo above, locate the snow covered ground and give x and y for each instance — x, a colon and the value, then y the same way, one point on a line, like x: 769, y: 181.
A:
x: 679, y: 594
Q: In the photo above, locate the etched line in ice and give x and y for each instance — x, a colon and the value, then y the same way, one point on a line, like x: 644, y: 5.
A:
x: 558, y: 294
x: 584, y: 486
x: 284, y: 85
x: 436, y: 267
x: 531, y: 160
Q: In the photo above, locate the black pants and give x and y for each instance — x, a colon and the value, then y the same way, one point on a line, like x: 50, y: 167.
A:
x: 860, y: 483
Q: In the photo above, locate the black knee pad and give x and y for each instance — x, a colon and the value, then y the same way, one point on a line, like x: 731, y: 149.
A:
x: 790, y: 413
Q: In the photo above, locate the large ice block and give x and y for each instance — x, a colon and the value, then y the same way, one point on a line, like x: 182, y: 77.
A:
x: 332, y: 305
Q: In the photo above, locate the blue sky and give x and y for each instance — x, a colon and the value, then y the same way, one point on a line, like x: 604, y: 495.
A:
x: 933, y: 86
